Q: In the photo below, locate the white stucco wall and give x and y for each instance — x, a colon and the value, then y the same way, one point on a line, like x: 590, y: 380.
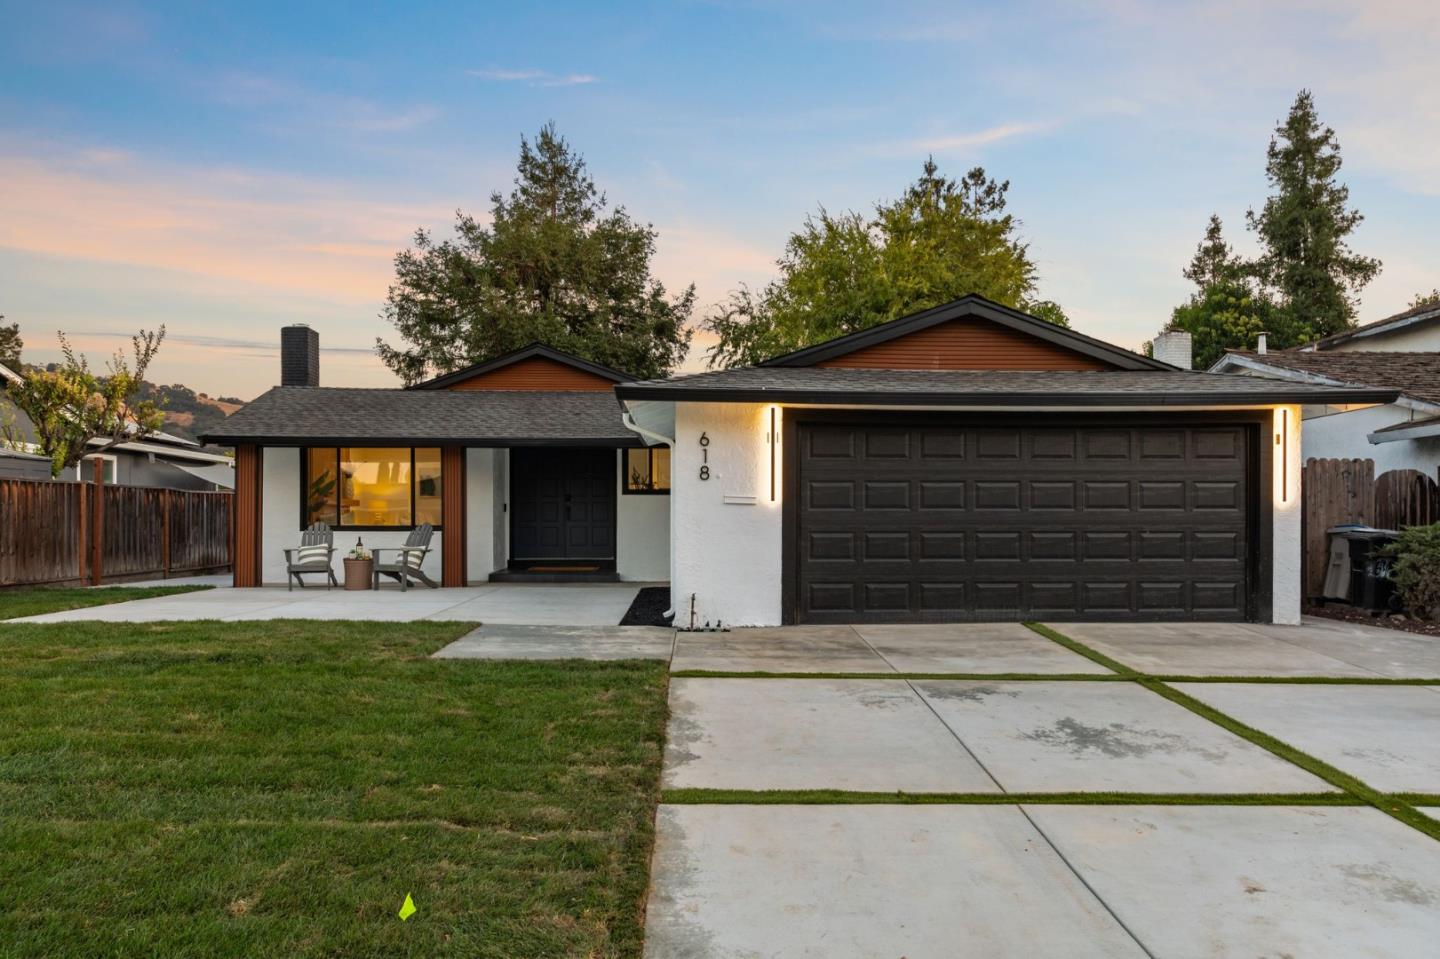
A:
x: 1285, y: 583
x: 726, y: 554
x: 1419, y: 338
x: 642, y: 533
x: 280, y: 502
x: 1343, y: 436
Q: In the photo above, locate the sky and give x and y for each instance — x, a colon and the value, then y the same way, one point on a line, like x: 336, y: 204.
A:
x: 226, y: 169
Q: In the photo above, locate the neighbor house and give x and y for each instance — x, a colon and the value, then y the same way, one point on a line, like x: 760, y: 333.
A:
x: 966, y: 463
x: 1401, y: 352
x: 155, y: 459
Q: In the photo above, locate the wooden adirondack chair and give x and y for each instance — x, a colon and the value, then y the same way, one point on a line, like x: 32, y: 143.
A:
x: 406, y: 564
x: 314, y: 555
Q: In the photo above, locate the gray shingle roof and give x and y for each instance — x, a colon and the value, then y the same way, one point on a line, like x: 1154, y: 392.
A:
x: 838, y: 386
x: 1415, y: 374
x: 309, y: 414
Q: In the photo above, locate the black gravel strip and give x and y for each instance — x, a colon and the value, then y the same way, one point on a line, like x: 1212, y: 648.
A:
x: 648, y: 608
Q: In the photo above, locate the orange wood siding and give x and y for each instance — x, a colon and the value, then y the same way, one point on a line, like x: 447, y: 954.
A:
x: 967, y: 344
x: 536, y: 373
x: 452, y: 516
x: 248, y: 460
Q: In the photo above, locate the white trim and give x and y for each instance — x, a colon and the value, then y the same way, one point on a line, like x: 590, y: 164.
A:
x: 1420, y: 430
x: 10, y: 375
x: 1378, y: 328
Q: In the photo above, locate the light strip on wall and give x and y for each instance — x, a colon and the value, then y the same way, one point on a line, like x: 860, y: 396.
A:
x: 772, y: 454
x: 1284, y: 456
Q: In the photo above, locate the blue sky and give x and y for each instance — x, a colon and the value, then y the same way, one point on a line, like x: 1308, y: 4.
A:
x: 225, y: 169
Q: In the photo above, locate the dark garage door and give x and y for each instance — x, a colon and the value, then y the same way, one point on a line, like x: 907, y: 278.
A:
x: 903, y: 522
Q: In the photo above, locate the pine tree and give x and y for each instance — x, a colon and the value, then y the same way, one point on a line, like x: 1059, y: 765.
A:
x: 555, y: 265
x: 10, y: 345
x: 1214, y: 259
x: 1304, y: 224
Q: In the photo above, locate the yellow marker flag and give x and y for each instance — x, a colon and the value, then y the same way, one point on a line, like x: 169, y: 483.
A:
x: 408, y: 909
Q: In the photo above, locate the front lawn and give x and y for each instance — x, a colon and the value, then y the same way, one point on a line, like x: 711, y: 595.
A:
x: 277, y: 788
x: 33, y: 601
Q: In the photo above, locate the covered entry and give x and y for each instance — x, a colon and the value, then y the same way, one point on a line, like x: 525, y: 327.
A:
x: 918, y: 518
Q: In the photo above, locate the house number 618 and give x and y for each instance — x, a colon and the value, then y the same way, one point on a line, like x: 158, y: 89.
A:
x: 704, y: 456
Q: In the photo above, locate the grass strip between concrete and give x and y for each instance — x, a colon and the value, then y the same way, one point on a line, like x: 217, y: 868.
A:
x: 843, y: 797
x: 1390, y: 804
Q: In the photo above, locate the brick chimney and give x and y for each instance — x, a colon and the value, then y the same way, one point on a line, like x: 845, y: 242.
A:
x: 299, y: 356
x: 1174, y: 347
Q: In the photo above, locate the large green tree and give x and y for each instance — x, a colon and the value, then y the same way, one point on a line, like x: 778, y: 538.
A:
x: 10, y: 345
x: 845, y: 272
x: 1304, y: 225
x: 554, y: 264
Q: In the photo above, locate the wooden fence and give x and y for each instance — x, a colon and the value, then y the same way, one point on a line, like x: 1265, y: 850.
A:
x: 54, y: 532
x: 1348, y: 491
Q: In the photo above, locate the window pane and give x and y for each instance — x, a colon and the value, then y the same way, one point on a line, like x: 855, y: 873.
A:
x: 637, y: 470
x: 427, y: 486
x: 322, y: 492
x: 374, y: 486
x: 662, y: 467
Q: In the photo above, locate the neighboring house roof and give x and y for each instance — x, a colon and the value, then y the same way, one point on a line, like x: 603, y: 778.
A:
x: 848, y: 386
x: 1419, y: 315
x: 300, y: 415
x: 1416, y: 375
x: 972, y: 306
x: 535, y: 351
x: 1413, y: 430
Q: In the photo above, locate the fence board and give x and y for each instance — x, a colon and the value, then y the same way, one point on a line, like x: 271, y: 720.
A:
x: 46, y: 528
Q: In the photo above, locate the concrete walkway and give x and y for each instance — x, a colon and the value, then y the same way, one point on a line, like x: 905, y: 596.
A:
x: 588, y: 604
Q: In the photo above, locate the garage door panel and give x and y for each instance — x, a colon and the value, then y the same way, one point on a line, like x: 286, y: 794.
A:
x: 941, y: 523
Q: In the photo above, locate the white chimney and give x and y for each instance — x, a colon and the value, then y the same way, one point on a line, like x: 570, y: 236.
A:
x: 1260, y: 343
x: 1174, y: 347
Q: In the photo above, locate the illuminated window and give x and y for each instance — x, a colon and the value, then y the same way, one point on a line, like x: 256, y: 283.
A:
x: 647, y: 470
x: 355, y: 487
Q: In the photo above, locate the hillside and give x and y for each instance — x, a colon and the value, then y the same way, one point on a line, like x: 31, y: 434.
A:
x: 187, y: 413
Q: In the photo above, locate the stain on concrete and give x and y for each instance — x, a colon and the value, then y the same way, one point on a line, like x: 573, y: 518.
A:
x: 969, y: 694
x: 1117, y: 740
x: 684, y: 733
x: 1379, y: 878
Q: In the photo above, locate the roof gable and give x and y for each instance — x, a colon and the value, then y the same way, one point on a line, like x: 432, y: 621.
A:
x: 971, y: 333
x: 1418, y: 316
x: 533, y: 367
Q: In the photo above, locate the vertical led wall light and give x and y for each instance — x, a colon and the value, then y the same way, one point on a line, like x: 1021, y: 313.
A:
x: 774, y: 441
x: 1283, y: 439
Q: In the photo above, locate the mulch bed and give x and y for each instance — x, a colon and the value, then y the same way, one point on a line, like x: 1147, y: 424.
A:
x: 1350, y: 614
x: 648, y: 608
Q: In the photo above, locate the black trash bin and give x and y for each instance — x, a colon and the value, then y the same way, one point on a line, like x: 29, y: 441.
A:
x: 1368, y: 580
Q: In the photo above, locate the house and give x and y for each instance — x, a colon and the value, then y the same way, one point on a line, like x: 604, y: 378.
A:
x: 156, y: 459
x: 1401, y: 352
x: 965, y: 463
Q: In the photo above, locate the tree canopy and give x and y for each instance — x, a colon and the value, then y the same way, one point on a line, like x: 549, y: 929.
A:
x: 10, y: 345
x: 1304, y: 223
x: 840, y: 273
x: 1301, y: 287
x: 554, y: 264
x: 70, y: 404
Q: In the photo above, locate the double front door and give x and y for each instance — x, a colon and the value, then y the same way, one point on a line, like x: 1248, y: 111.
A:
x: 562, y: 503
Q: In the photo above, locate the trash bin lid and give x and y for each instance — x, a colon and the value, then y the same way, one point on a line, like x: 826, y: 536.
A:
x: 1361, y: 531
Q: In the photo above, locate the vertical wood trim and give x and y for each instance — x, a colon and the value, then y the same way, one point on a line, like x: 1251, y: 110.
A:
x: 452, y: 515
x: 248, y: 460
x: 82, y: 544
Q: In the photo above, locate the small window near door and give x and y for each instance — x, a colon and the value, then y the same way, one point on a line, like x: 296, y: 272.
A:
x: 647, y: 470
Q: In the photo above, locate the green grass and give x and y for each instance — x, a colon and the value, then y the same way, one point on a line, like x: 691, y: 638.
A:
x: 33, y: 601
x: 275, y: 789
x: 831, y: 797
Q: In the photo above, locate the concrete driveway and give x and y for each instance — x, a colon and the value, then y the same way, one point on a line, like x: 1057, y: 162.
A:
x: 1253, y: 863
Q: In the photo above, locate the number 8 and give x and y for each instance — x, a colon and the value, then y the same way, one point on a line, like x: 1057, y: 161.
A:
x: 704, y: 472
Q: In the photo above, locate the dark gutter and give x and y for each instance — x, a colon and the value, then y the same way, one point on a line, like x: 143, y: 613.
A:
x: 872, y: 398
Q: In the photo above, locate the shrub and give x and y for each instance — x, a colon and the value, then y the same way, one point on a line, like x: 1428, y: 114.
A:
x: 1416, y: 569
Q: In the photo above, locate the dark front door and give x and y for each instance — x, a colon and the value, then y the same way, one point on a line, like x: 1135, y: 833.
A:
x: 562, y: 503
x: 925, y: 521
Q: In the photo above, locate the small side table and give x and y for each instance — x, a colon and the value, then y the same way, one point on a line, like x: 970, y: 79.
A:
x: 358, y: 573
